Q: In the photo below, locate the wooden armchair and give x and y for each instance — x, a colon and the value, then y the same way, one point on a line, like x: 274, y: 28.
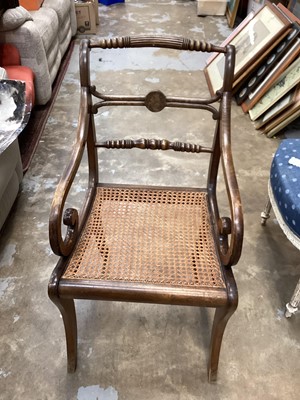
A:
x: 164, y: 245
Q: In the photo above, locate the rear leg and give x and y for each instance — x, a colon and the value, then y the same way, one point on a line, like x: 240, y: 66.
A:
x: 221, y: 318
x: 67, y: 310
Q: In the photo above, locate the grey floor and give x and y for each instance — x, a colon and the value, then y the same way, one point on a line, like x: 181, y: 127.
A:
x: 131, y: 351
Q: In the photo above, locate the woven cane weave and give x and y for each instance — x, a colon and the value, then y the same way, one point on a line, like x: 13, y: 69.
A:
x: 148, y: 236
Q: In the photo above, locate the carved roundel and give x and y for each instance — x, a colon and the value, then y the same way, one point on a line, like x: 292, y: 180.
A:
x: 155, y: 101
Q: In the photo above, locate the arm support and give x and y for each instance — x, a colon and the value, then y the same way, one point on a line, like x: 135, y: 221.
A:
x: 63, y: 246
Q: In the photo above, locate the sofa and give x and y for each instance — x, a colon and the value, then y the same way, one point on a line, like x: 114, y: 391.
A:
x: 42, y: 38
x: 10, y: 159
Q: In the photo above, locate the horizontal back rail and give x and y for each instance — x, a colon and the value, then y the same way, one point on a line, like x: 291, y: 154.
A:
x: 154, y: 144
x: 155, y: 101
x: 169, y: 42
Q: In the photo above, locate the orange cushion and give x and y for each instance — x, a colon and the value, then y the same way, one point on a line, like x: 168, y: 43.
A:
x: 31, y: 5
x: 25, y: 74
x: 9, y: 55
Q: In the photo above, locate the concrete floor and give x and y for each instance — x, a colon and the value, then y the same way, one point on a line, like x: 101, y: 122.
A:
x: 131, y: 351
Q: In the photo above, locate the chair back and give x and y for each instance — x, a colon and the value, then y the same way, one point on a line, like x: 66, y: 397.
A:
x: 94, y: 101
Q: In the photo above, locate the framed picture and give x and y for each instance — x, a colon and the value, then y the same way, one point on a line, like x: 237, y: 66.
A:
x: 254, y: 96
x: 265, y: 67
x: 294, y: 7
x: 284, y: 115
x: 256, y: 39
x: 287, y: 101
x: 232, y: 35
x: 255, y: 5
x: 231, y: 11
x: 285, y: 122
x: 287, y: 80
x: 287, y: 12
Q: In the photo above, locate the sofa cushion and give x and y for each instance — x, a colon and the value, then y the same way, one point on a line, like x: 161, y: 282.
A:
x: 31, y: 4
x: 29, y: 43
x: 62, y: 8
x: 46, y: 22
x: 13, y: 18
x: 41, y: 40
x: 9, y: 55
x: 63, y: 11
x: 54, y: 60
x: 64, y: 38
x: 73, y: 18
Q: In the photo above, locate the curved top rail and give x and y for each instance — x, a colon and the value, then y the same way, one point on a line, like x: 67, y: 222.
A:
x: 170, y: 42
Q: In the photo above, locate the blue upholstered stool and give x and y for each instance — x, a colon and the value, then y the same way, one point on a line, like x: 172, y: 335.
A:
x: 284, y: 198
x: 110, y: 2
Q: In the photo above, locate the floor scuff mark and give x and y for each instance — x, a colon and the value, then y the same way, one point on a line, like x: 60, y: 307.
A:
x: 280, y: 314
x: 4, y: 374
x: 95, y: 392
x: 5, y: 286
x: 16, y: 318
x: 7, y: 256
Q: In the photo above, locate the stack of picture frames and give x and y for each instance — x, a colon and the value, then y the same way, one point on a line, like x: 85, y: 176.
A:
x: 267, y: 68
x: 231, y: 11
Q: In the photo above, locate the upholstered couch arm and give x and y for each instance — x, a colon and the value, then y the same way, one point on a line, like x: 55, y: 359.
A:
x: 42, y: 38
x: 17, y: 27
x: 13, y: 18
x: 73, y: 19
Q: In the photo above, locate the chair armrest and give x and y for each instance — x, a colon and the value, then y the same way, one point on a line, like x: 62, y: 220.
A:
x: 230, y: 252
x: 63, y: 246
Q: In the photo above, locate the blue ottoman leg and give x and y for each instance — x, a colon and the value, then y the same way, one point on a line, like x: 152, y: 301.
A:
x: 265, y: 215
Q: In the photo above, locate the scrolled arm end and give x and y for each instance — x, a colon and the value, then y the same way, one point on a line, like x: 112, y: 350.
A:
x: 63, y: 246
x: 231, y: 238
x: 71, y: 220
